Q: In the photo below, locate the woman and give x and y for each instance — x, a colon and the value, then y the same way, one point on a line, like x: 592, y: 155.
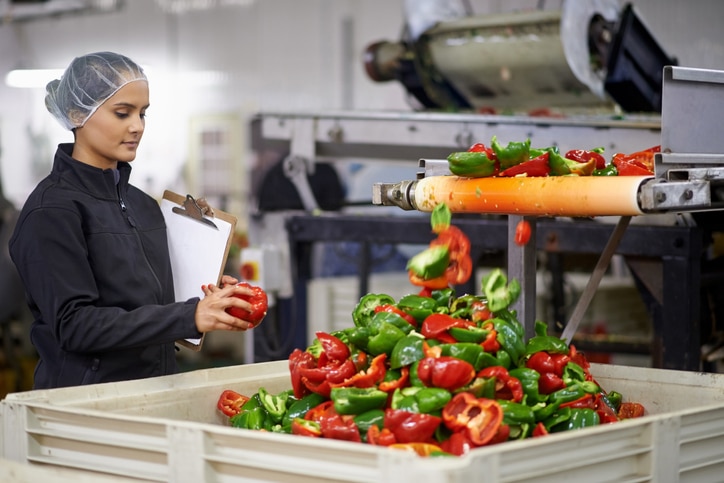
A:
x: 91, y: 248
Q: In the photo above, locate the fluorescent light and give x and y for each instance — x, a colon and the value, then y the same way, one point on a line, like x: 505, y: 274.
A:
x: 31, y: 78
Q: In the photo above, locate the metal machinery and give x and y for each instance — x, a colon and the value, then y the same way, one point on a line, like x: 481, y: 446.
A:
x: 302, y: 208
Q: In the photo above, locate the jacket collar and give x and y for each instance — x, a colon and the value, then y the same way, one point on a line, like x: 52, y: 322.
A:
x: 99, y: 183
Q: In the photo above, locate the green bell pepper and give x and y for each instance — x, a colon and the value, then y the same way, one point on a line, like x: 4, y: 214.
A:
x: 498, y: 292
x: 385, y: 339
x: 512, y: 154
x: 529, y: 380
x: 430, y: 263
x: 516, y: 413
x: 467, y: 351
x: 561, y: 166
x: 417, y: 306
x: 367, y: 419
x: 609, y: 170
x: 471, y: 164
x: 365, y: 308
x: 472, y: 334
x: 509, y: 339
x: 501, y: 358
x: 254, y: 418
x: 544, y: 342
x: 582, y: 418
x: 480, y: 387
x: 407, y: 350
x: 355, y: 400
x: 299, y: 408
x: 274, y: 404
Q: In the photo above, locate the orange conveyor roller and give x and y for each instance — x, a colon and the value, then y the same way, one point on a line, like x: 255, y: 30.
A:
x: 574, y: 196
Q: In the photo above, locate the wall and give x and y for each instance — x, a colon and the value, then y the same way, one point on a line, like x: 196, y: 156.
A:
x: 274, y: 55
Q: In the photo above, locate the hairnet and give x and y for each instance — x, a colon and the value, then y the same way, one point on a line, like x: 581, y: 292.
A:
x: 86, y: 84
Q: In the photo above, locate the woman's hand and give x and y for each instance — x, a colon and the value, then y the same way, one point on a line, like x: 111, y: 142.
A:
x: 211, y: 310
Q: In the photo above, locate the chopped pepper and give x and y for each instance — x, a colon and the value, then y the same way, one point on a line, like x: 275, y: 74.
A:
x: 230, y: 402
x: 478, y: 418
x: 355, y: 400
x: 536, y: 167
x: 512, y: 154
x: 274, y: 404
x: 472, y: 164
x: 446, y: 372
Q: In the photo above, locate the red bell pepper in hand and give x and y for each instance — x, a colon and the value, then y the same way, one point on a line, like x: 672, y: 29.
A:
x: 445, y: 372
x: 259, y: 305
x: 230, y: 402
x: 478, y: 418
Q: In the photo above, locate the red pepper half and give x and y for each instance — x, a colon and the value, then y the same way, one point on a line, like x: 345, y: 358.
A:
x: 230, y: 402
x: 479, y: 418
x: 259, y: 305
x: 445, y: 372
x: 411, y: 427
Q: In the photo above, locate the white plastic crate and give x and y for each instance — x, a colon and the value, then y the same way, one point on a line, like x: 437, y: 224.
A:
x: 168, y: 429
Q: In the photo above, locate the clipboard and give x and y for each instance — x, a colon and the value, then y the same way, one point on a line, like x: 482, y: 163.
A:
x: 198, y: 246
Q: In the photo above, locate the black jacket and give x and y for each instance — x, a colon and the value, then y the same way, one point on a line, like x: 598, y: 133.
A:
x: 93, y: 257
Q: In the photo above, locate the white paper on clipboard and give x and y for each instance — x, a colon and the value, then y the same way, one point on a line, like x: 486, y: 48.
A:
x: 198, y: 251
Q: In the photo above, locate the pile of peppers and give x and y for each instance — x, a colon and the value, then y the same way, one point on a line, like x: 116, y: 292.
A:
x: 519, y: 159
x: 434, y: 373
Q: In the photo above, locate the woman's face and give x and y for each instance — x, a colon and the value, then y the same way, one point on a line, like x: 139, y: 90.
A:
x: 113, y: 132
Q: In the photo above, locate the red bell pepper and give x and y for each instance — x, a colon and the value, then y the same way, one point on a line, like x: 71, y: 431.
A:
x: 457, y: 444
x: 369, y: 377
x: 411, y: 427
x: 584, y: 156
x: 550, y: 367
x: 299, y: 359
x: 629, y: 410
x: 333, y: 425
x: 445, y: 372
x: 640, y: 163
x: 490, y: 344
x: 402, y: 381
x: 479, y: 418
x: 395, y: 310
x: 506, y: 386
x: 536, y: 167
x: 436, y: 326
x: 539, y: 430
x: 303, y: 427
x: 259, y: 305
x: 380, y: 437
x: 230, y: 402
x: 333, y: 349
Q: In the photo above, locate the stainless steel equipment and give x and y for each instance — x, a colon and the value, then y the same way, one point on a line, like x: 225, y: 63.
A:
x: 588, y: 55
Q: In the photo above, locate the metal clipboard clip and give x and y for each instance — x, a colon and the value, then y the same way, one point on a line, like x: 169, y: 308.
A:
x: 194, y: 210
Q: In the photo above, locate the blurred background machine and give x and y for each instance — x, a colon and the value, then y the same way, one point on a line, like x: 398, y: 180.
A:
x: 588, y: 55
x: 587, y: 76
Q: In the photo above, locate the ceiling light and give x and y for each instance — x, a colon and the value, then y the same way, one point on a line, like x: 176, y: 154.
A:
x: 31, y: 78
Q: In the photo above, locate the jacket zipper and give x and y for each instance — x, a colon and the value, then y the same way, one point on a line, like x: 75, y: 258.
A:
x: 124, y: 210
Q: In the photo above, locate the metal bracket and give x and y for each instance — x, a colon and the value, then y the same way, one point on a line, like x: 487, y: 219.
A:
x: 300, y: 162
